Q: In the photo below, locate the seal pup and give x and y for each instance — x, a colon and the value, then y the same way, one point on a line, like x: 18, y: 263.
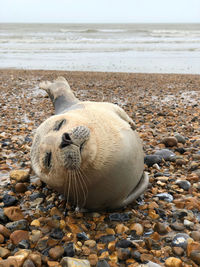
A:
x: 88, y: 151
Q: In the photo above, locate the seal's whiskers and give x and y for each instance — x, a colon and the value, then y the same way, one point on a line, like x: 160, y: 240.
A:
x: 82, y: 187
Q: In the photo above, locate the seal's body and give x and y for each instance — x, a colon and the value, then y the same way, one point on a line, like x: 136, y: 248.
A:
x: 88, y: 151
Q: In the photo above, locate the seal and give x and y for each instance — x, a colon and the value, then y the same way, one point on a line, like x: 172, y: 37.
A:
x: 88, y: 151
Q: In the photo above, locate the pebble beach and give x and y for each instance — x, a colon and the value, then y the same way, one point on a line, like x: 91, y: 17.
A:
x: 161, y: 228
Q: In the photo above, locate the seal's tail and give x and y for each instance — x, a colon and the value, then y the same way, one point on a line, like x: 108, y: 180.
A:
x: 60, y: 93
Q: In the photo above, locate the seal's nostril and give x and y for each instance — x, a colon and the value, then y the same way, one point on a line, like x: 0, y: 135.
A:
x: 66, y: 140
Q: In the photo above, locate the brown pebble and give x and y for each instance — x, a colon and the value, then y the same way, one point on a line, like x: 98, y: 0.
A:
x: 28, y: 263
x: 180, y: 162
x: 161, y: 228
x: 4, y: 231
x: 169, y: 141
x: 93, y: 259
x: 4, y: 252
x: 10, y: 262
x: 53, y: 264
x: 173, y: 262
x: 121, y: 228
x: 14, y: 213
x: 195, y: 235
x: 20, y: 188
x: 123, y: 253
x: 56, y: 252
x: 138, y: 228
x: 195, y: 256
x: 36, y: 258
x: 18, y: 236
x: 19, y: 175
x: 1, y: 238
x: 178, y: 251
x: 90, y: 243
x: 192, y: 245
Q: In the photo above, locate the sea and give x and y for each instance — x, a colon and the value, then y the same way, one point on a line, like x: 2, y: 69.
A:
x: 139, y: 48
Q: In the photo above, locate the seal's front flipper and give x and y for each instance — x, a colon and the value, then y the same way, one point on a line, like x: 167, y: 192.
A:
x: 60, y: 94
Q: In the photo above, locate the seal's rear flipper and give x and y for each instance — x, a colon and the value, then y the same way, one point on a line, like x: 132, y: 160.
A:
x: 138, y: 190
x: 60, y: 94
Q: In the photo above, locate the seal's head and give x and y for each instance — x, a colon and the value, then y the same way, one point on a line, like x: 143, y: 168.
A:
x: 58, y: 152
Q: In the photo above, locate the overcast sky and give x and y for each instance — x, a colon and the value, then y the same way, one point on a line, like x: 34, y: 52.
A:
x: 102, y: 11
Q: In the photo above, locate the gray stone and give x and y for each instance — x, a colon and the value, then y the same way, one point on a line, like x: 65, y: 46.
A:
x: 184, y: 184
x: 17, y: 225
x: 73, y: 262
x: 165, y: 196
x: 180, y: 240
x: 166, y: 154
x: 180, y: 138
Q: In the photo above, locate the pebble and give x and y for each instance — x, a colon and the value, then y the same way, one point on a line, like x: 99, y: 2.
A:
x: 3, y: 217
x: 169, y: 141
x: 173, y: 262
x: 195, y: 256
x: 36, y: 258
x: 180, y: 162
x: 14, y: 213
x: 72, y: 262
x: 137, y: 227
x: 124, y: 243
x: 177, y: 226
x: 19, y: 175
x: 150, y: 160
x: 69, y: 249
x: 4, y: 231
x: 195, y: 235
x: 178, y: 251
x: 17, y: 225
x: 82, y: 236
x: 166, y: 154
x: 93, y: 259
x: 180, y: 138
x: 102, y: 263
x: 180, y: 240
x: 165, y: 196
x: 56, y: 252
x: 9, y: 200
x: 161, y: 228
x: 4, y: 252
x: 123, y: 253
x: 20, y: 188
x: 24, y: 244
x: 42, y: 243
x: 119, y: 217
x: 1, y: 239
x: 90, y: 243
x: 57, y: 233
x: 18, y: 236
x: 35, y: 236
x: 28, y: 263
x: 188, y: 224
x: 106, y: 238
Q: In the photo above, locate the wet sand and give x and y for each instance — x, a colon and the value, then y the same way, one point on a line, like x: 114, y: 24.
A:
x: 161, y: 105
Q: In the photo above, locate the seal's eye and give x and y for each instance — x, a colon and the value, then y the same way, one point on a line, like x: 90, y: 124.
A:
x: 66, y: 140
x: 58, y: 125
x: 47, y: 160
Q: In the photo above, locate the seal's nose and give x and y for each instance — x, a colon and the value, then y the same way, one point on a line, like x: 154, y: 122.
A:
x: 66, y: 140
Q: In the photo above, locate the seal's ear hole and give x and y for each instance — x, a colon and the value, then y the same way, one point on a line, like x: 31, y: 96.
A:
x: 47, y: 160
